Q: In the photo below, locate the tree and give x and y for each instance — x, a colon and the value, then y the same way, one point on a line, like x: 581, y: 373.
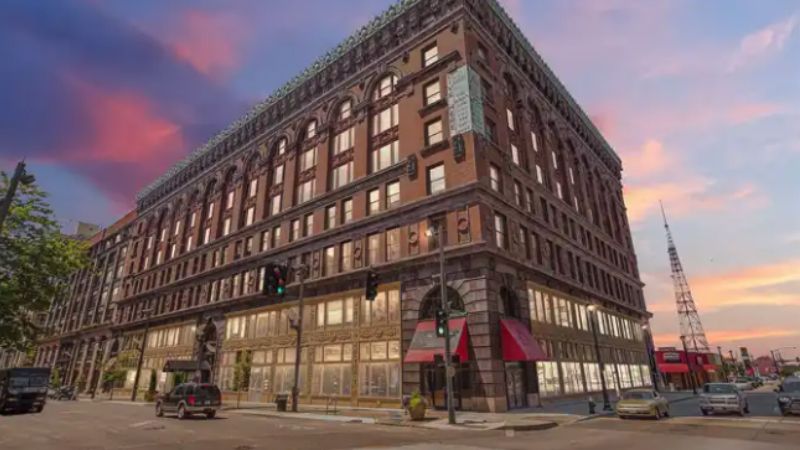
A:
x: 35, y: 263
x: 55, y: 378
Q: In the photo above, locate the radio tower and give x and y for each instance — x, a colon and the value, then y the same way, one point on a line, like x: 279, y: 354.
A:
x: 691, y: 327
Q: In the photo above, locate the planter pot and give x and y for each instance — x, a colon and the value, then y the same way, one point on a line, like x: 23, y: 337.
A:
x: 417, y: 412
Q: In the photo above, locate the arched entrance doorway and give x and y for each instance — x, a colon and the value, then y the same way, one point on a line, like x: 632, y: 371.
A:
x: 433, y: 382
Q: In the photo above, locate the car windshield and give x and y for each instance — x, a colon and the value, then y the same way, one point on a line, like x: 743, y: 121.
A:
x: 794, y: 386
x: 719, y: 389
x: 637, y: 395
x: 17, y: 382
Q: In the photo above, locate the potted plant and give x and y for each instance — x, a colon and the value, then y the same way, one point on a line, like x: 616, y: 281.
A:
x: 416, y: 406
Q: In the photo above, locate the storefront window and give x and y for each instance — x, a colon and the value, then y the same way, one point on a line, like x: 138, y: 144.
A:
x: 592, y: 372
x: 332, y: 374
x: 379, y: 370
x: 573, y: 380
x: 386, y: 306
x: 227, y: 367
x: 549, y: 384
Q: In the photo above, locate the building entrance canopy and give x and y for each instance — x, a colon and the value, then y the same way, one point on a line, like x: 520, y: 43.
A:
x: 673, y: 368
x: 426, y: 345
x: 182, y: 365
x: 517, y: 342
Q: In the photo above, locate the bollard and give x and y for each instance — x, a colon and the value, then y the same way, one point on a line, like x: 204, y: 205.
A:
x: 592, y: 405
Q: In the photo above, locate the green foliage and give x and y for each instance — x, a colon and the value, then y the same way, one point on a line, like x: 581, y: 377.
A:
x: 241, y: 372
x: 114, y: 377
x: 151, y: 387
x: 55, y: 378
x: 179, y: 378
x: 35, y: 263
x: 416, y: 400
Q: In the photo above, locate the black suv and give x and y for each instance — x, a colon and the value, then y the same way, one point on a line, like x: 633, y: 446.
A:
x: 190, y: 398
x: 789, y: 396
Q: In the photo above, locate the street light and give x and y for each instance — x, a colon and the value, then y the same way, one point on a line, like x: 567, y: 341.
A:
x: 689, y: 363
x: 301, y: 273
x: 436, y: 231
x: 593, y: 321
x: 149, y: 313
x: 648, y: 342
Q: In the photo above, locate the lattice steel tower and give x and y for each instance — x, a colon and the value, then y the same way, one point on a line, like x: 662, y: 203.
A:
x: 691, y: 327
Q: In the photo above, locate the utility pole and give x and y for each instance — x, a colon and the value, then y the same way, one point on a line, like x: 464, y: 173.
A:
x: 141, y: 354
x: 20, y: 176
x: 648, y: 342
x: 445, y: 305
x: 301, y: 272
x: 593, y: 322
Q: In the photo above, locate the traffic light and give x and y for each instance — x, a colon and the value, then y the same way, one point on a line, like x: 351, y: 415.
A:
x: 275, y: 279
x: 441, y: 322
x: 371, y: 284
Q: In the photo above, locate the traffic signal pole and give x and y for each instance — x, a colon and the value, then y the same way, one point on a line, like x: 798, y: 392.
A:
x: 296, y: 388
x: 448, y: 360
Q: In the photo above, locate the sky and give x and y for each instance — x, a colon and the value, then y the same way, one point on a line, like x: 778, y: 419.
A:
x: 700, y: 99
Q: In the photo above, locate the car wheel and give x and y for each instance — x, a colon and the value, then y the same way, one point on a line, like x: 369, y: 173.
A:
x: 705, y: 413
x: 211, y: 414
x: 181, y: 412
x: 747, y: 408
x: 658, y: 414
x: 666, y: 412
x: 159, y: 410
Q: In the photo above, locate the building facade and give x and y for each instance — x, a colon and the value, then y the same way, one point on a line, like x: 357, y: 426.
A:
x: 437, y: 124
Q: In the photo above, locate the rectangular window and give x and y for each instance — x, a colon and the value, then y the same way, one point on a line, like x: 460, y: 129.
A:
x: 436, y: 179
x: 518, y: 193
x: 177, y: 229
x: 432, y: 92
x: 393, y: 244
x: 347, y: 210
x: 306, y: 190
x: 276, y: 236
x: 229, y: 202
x: 534, y: 141
x: 529, y: 200
x: 555, y: 160
x: 515, y: 155
x: 433, y: 132
x: 342, y: 175
x: 539, y: 174
x: 344, y: 140
x: 373, y: 201
x: 226, y: 226
x: 346, y: 256
x: 265, y: 241
x: 571, y: 176
x: 277, y: 176
x: 192, y: 220
x: 559, y: 192
x: 308, y: 159
x: 500, y: 231
x: 210, y: 213
x: 392, y: 194
x: 330, y: 217
x: 385, y: 120
x: 510, y: 119
x: 329, y: 261
x: 430, y: 55
x: 275, y: 204
x: 308, y: 225
x: 189, y: 244
x: 373, y: 248
x: 250, y: 216
x: 207, y: 235
x: 494, y: 177
x: 253, y: 188
x: 294, y: 230
x: 385, y: 156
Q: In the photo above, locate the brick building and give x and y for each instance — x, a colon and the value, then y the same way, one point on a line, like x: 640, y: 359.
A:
x: 438, y: 115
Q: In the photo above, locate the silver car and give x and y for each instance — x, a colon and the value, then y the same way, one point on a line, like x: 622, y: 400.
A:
x: 723, y: 398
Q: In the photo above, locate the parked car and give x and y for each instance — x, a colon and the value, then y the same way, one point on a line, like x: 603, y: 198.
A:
x: 789, y: 396
x: 190, y: 398
x: 642, y: 403
x: 723, y: 398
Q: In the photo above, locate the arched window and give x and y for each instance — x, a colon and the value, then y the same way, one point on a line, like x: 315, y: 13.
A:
x: 385, y: 87
x: 281, y: 147
x: 311, y: 129
x: 345, y: 109
x: 510, y: 301
x: 432, y: 302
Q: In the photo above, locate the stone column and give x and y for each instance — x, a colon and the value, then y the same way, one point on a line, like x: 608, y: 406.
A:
x: 107, y: 344
x: 90, y: 380
x: 84, y: 352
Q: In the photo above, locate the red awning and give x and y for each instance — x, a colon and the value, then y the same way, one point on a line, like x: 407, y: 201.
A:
x: 711, y: 368
x: 425, y: 345
x: 673, y: 368
x: 517, y: 342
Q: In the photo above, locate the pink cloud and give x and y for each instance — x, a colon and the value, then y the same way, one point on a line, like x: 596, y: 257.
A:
x: 768, y: 40
x: 210, y: 42
x: 748, y: 112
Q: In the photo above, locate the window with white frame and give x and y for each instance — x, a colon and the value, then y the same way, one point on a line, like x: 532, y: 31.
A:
x: 534, y: 141
x: 342, y: 175
x: 517, y: 193
x: 539, y: 174
x: 494, y: 178
x: 275, y: 204
x: 226, y: 226
x: 250, y: 216
x: 282, y: 144
x: 393, y: 244
x: 379, y: 369
x: 510, y: 120
x: 373, y: 201
x: 229, y: 202
x: 252, y: 188
x: 308, y: 225
x: 430, y: 55
x: 308, y: 159
x: 549, y: 383
x: 277, y: 175
x: 210, y: 212
x: 436, y: 179
x: 332, y: 370
x: 345, y: 110
x: 346, y: 256
x: 329, y: 261
x: 555, y: 160
x: 515, y: 154
x: 392, y: 194
x: 294, y: 230
x: 330, y: 217
x: 433, y: 132
x: 385, y: 119
x: 276, y: 236
x: 432, y: 92
x: 347, y: 210
x: 305, y: 191
x: 311, y: 129
x: 500, y: 230
x: 385, y: 156
x: 344, y: 140
x: 373, y: 248
x: 385, y: 87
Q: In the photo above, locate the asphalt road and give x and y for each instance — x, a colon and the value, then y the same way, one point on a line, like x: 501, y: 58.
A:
x: 103, y: 425
x: 763, y: 403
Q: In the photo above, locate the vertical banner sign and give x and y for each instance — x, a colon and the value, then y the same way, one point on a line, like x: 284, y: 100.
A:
x: 465, y: 102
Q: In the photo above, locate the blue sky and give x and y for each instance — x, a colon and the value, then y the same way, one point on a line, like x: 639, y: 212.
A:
x: 699, y: 99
